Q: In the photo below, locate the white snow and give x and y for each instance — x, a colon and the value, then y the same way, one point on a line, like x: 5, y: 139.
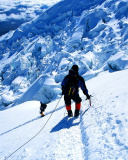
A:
x: 34, y: 59
x: 100, y: 134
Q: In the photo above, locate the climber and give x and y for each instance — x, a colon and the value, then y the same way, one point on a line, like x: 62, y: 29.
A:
x: 70, y: 89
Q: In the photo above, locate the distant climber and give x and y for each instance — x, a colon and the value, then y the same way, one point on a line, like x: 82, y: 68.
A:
x: 70, y: 89
x: 42, y: 108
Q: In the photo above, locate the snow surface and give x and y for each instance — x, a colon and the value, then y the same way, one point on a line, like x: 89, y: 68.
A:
x: 34, y: 59
x: 100, y: 134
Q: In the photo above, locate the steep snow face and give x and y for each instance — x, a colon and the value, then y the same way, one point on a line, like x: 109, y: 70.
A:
x: 91, y: 34
x: 106, y: 123
x: 99, y: 134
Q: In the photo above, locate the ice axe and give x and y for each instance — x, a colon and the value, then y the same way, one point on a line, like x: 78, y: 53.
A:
x: 88, y: 107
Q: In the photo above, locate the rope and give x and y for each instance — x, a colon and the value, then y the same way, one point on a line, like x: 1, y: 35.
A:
x: 35, y: 134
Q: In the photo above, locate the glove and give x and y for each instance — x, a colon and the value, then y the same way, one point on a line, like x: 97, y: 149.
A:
x: 88, y: 96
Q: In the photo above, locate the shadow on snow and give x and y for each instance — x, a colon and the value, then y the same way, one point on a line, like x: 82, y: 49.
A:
x: 65, y: 123
x: 20, y: 125
x: 34, y: 119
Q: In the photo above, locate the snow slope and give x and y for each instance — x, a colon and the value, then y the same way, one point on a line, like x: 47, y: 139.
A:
x: 34, y: 59
x: 100, y: 134
x: 91, y: 34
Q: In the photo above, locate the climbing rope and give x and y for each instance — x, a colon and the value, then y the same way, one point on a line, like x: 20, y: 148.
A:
x: 35, y: 134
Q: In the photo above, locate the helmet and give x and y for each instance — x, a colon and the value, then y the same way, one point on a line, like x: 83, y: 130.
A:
x: 75, y: 68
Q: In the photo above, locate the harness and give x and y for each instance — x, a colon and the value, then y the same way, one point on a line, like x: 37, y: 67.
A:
x: 72, y: 86
x: 71, y: 91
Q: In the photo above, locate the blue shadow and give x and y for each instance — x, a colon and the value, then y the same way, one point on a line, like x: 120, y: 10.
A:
x: 65, y: 123
x: 32, y: 120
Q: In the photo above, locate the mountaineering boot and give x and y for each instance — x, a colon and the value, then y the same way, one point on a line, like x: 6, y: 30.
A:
x: 68, y: 107
x: 76, y: 113
x: 42, y: 114
x: 70, y: 113
x: 78, y: 106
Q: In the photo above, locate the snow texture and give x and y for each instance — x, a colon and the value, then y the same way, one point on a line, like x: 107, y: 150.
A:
x: 47, y: 39
x: 99, y: 134
x: 91, y: 34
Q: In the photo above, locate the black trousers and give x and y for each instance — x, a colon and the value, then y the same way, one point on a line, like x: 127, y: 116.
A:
x: 76, y: 98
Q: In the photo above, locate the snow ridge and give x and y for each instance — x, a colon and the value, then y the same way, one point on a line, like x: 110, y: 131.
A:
x: 34, y: 59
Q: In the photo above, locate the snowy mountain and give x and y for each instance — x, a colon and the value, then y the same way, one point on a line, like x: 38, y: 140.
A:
x: 34, y: 59
x: 38, y: 54
x: 100, y: 134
